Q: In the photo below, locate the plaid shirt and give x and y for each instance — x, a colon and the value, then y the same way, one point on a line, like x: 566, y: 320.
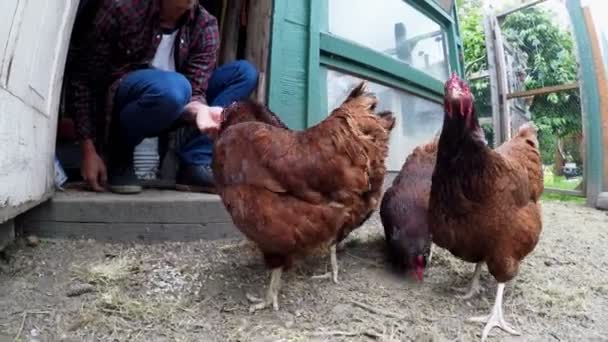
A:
x: 124, y: 37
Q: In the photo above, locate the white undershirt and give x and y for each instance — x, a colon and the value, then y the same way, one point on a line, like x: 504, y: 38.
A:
x: 164, y: 58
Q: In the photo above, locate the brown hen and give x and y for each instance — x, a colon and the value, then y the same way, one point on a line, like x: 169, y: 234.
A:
x: 484, y: 205
x: 292, y: 192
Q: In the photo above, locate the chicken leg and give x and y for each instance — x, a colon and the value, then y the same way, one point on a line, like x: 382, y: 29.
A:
x: 334, y: 266
x: 272, y: 296
x: 474, y: 287
x: 428, y: 261
x: 495, y: 318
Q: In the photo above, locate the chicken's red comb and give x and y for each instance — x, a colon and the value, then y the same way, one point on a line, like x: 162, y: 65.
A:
x: 453, y: 78
x: 455, y: 81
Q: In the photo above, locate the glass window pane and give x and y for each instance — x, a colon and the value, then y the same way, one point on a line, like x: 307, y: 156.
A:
x: 418, y: 119
x: 445, y: 4
x: 394, y: 28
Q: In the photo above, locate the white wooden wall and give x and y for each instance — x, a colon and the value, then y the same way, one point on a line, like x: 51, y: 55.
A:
x: 34, y: 38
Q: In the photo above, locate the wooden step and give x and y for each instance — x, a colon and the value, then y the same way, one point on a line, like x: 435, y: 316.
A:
x: 153, y: 215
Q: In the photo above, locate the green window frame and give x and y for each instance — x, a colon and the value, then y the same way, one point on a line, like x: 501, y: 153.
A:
x: 346, y: 56
x: 302, y: 48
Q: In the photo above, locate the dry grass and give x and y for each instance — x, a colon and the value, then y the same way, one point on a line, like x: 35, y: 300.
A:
x: 117, y: 311
x: 106, y: 273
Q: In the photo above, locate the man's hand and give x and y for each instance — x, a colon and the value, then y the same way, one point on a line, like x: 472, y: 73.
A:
x: 93, y: 169
x: 207, y: 119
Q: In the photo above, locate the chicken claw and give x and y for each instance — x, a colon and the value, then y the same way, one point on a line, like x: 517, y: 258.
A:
x: 474, y: 286
x: 262, y: 304
x: 272, y: 296
x: 334, y: 267
x: 495, y: 318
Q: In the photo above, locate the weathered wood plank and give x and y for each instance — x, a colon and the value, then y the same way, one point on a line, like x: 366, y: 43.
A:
x: 519, y: 7
x: 130, y: 232
x: 590, y: 106
x: 148, y: 207
x: 479, y: 75
x: 230, y: 32
x: 30, y: 41
x: 10, y: 211
x: 503, y: 83
x: 257, y: 47
x: 543, y: 90
x: 602, y: 88
x: 494, y: 93
x: 287, y: 74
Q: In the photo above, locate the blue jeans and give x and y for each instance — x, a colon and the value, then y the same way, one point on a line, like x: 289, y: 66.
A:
x: 149, y: 101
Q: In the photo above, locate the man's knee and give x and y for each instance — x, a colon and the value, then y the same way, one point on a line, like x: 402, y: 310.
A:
x: 173, y: 91
x: 248, y: 74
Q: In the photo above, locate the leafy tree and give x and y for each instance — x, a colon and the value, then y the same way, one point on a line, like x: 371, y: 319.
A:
x: 549, y: 50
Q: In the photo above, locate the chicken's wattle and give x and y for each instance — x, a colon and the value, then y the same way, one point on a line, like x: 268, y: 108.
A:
x: 458, y: 98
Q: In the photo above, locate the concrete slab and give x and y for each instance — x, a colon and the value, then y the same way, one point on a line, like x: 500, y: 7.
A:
x: 154, y: 215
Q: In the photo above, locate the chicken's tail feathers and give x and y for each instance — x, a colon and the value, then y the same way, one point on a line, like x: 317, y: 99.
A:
x: 361, y: 96
x: 360, y: 90
x: 528, y: 128
x: 528, y: 132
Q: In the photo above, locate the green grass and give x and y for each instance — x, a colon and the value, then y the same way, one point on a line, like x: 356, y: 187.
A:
x: 552, y: 197
x: 559, y: 182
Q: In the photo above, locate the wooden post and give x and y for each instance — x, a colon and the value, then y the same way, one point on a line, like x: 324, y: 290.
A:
x: 503, y: 83
x: 590, y: 106
x: 230, y: 31
x: 257, y: 46
x: 498, y: 80
x: 494, y: 95
x: 602, y: 85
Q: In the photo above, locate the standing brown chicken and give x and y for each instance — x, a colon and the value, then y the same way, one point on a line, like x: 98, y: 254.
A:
x: 484, y: 205
x: 292, y: 192
x: 404, y: 212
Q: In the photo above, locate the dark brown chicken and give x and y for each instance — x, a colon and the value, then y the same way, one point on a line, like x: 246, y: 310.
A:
x: 404, y: 212
x: 484, y: 205
x: 292, y: 192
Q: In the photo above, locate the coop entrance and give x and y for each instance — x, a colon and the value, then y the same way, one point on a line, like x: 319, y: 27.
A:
x: 244, y: 30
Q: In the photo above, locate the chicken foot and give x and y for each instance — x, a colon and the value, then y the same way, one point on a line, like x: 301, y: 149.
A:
x: 495, y: 318
x: 474, y: 286
x: 334, y: 266
x: 272, y: 296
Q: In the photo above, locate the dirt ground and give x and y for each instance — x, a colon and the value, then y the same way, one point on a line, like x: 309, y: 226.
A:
x: 90, y: 291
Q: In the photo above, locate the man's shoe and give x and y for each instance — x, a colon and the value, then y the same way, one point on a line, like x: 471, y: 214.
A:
x: 195, y: 178
x: 122, y: 178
